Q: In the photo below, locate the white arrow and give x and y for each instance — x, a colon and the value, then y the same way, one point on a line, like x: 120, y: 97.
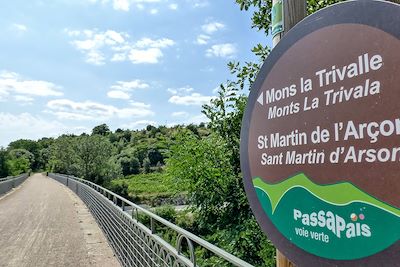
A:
x: 261, y: 98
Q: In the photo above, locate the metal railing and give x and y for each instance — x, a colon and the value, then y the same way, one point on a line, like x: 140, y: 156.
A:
x: 10, y: 182
x: 133, y: 242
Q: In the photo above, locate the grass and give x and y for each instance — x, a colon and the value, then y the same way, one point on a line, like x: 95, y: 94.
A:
x: 153, y: 189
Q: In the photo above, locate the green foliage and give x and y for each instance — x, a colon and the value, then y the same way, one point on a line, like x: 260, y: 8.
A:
x: 120, y: 188
x: 261, y: 19
x: 155, y: 156
x: 129, y: 165
x: 202, y: 160
x: 93, y: 154
x: 193, y: 129
x: 315, y: 5
x: 28, y: 145
x: 225, y: 112
x: 62, y: 156
x: 167, y: 212
x: 18, y: 166
x: 153, y: 189
x: 89, y: 157
x: 19, y: 161
x: 202, y: 167
x: 101, y: 129
x: 3, y: 163
x: 146, y: 165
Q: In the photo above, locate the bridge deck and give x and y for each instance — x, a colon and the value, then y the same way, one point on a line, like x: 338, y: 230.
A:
x: 44, y: 224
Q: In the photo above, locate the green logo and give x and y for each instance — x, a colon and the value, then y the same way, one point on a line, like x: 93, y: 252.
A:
x: 337, y: 221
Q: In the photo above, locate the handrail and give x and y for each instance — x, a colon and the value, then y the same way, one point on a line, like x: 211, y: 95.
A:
x: 10, y: 182
x: 182, y: 233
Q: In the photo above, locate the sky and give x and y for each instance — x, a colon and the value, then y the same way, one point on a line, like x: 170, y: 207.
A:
x: 69, y: 65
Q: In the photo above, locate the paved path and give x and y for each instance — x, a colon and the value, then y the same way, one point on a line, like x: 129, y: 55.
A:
x: 43, y: 223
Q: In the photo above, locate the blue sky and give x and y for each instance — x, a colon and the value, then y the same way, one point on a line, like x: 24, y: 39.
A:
x: 69, y: 65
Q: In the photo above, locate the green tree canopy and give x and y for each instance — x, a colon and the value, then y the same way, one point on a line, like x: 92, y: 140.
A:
x: 19, y: 161
x: 101, y: 129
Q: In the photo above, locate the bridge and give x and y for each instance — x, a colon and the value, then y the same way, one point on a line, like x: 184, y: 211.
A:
x: 60, y: 220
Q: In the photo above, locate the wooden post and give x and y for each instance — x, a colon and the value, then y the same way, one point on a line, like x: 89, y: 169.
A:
x: 293, y: 12
x: 282, y: 261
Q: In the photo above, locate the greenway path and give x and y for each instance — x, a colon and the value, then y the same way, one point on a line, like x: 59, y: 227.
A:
x: 43, y: 223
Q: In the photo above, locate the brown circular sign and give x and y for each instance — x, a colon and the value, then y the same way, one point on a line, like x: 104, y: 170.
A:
x: 320, y: 141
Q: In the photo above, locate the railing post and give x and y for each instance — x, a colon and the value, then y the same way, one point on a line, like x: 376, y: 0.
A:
x: 152, y: 226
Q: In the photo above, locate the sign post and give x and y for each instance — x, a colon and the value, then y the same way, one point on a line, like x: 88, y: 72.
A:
x: 320, y: 141
x: 285, y: 14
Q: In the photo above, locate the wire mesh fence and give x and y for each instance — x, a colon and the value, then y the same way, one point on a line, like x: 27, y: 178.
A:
x: 137, y: 244
x: 8, y: 183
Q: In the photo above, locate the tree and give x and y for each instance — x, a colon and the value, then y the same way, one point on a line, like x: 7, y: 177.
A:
x: 43, y: 157
x: 19, y: 161
x: 129, y: 165
x: 155, y: 156
x: 89, y: 157
x: 146, y: 165
x: 192, y: 127
x: 202, y: 167
x: 62, y: 156
x: 101, y: 129
x: 3, y: 163
x: 191, y: 158
x: 93, y: 154
x: 32, y: 146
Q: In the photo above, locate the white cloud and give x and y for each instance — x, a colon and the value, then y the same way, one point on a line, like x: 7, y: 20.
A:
x: 121, y: 88
x: 89, y: 110
x: 23, y: 90
x: 118, y: 46
x: 95, y: 58
x: 153, y: 11
x: 20, y: 27
x: 24, y: 99
x: 27, y: 126
x: 194, y: 99
x: 159, y: 43
x: 118, y: 94
x: 140, y: 6
x: 186, y: 96
x: 145, y: 1
x: 129, y: 86
x: 122, y: 5
x: 151, y: 56
x: 94, y: 42
x: 212, y: 27
x: 180, y: 91
x: 198, y: 3
x: 125, y: 5
x: 139, y: 104
x: 227, y: 50
x: 118, y: 57
x: 173, y: 6
x: 202, y: 39
x: 209, y: 29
